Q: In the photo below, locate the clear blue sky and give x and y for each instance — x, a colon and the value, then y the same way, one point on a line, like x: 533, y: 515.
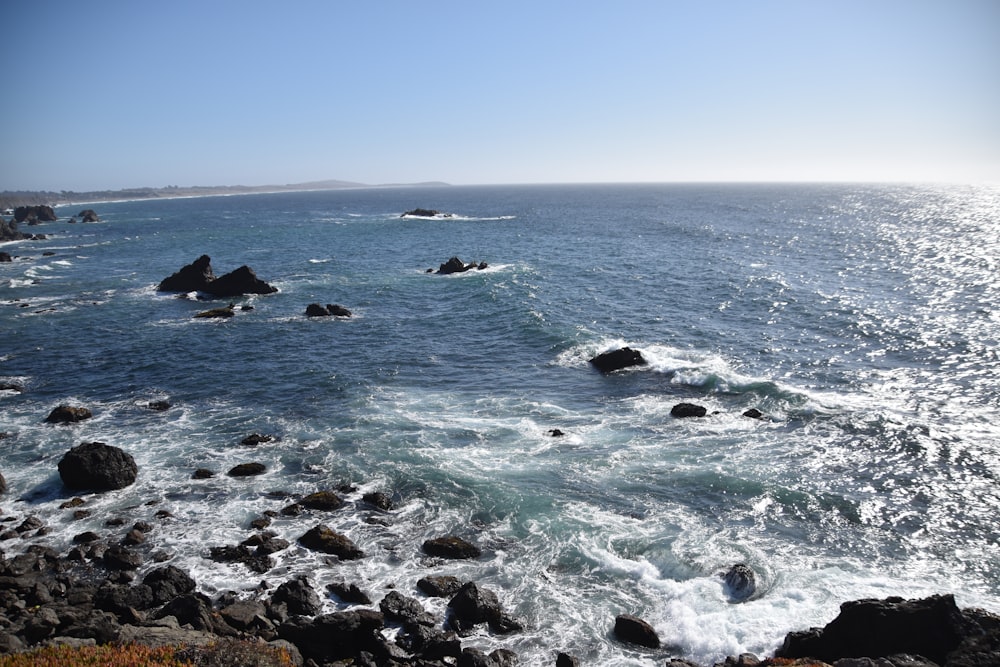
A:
x: 103, y: 94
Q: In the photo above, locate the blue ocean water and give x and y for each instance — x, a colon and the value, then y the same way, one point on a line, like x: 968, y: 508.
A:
x: 861, y: 320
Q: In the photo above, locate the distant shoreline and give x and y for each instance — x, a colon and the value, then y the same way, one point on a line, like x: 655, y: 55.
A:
x: 14, y: 199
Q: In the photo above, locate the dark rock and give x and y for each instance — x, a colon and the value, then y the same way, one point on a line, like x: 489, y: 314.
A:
x: 236, y: 283
x: 322, y: 538
x: 118, y: 557
x: 202, y: 473
x: 88, y: 215
x: 3, y: 484
x: 34, y: 214
x: 425, y: 213
x: 194, y: 277
x: 66, y: 414
x: 379, y: 500
x: 451, y: 546
x: 473, y: 605
x: 634, y: 630
x: 682, y: 410
x: 159, y: 406
x: 606, y: 362
x: 9, y: 232
x: 97, y: 466
x: 337, y: 310
x: 217, y: 313
x: 567, y: 660
x: 455, y: 265
x: 754, y: 413
x: 133, y: 538
x: 336, y: 636
x: 322, y: 500
x: 741, y: 582
x: 555, y: 433
x: 316, y: 310
x: 931, y: 627
x: 247, y: 470
x: 247, y: 616
x: 120, y: 598
x: 349, y: 593
x: 5, y: 256
x: 10, y: 386
x: 408, y: 611
x: 168, y: 582
x: 255, y: 439
x: 298, y: 596
x: 440, y: 587
x: 195, y: 610
x: 256, y: 562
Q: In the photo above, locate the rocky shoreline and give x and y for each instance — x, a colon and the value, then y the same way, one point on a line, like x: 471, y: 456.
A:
x: 93, y: 595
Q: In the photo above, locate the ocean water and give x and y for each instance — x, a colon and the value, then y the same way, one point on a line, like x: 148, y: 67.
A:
x: 861, y: 320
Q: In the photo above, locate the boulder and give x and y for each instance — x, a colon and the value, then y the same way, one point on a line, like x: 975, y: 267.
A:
x: 451, y: 546
x: 455, y: 265
x: 194, y: 277
x: 614, y: 360
x: 247, y: 470
x: 754, y: 413
x: 9, y: 232
x: 931, y: 627
x: 740, y: 581
x: 440, y: 587
x: 119, y: 557
x: 633, y: 630
x: 168, y: 582
x: 473, y: 605
x: 255, y: 439
x: 298, y: 596
x: 322, y: 538
x: 337, y: 310
x: 337, y: 636
x: 218, y: 313
x: 65, y: 414
x: 349, y: 593
x: 88, y: 215
x: 683, y: 410
x: 398, y: 607
x: 330, y: 309
x: 425, y: 213
x: 98, y: 467
x: 322, y: 500
x: 378, y: 500
x: 3, y: 484
x: 5, y: 256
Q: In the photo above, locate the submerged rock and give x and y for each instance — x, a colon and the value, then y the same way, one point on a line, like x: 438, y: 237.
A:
x: 606, y: 362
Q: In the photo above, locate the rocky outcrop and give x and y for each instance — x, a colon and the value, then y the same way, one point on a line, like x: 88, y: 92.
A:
x: 624, y: 357
x: 425, y: 213
x: 96, y: 466
x: 88, y: 215
x: 933, y: 627
x: 34, y: 214
x: 455, y: 265
x: 218, y: 313
x: 740, y: 582
x: 473, y: 605
x: 198, y: 277
x: 5, y: 257
x: 330, y: 309
x: 247, y: 470
x: 65, y: 414
x: 9, y: 232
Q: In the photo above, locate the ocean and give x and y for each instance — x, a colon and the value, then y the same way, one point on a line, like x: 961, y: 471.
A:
x: 860, y: 320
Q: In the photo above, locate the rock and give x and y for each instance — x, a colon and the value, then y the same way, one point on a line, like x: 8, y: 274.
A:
x: 455, y: 265
x: 379, y: 500
x: 5, y: 256
x: 473, y: 605
x: 168, y: 582
x: 236, y: 283
x: 322, y: 500
x: 683, y: 410
x: 440, y: 587
x: 218, y: 313
x: 195, y: 610
x: 256, y: 562
x: 932, y: 627
x: 88, y: 215
x: 247, y: 470
x: 754, y: 413
x: 633, y: 630
x: 10, y: 386
x: 606, y: 362
x: 118, y: 557
x: 425, y: 213
x: 198, y: 277
x: 298, y: 596
x: 158, y: 406
x: 349, y: 593
x: 337, y: 310
x: 3, y: 484
x: 202, y: 473
x: 337, y: 636
x: 330, y: 309
x: 554, y: 433
x: 567, y: 660
x: 255, y: 439
x: 34, y: 214
x: 65, y: 414
x: 406, y: 610
x: 741, y: 582
x: 9, y: 232
x: 246, y: 615
x: 194, y: 277
x: 451, y: 546
x: 98, y: 467
x: 322, y: 538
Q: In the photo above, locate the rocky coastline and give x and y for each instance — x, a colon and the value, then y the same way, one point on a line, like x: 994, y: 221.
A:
x: 93, y: 594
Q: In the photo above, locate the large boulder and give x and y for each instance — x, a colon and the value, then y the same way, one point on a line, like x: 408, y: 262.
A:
x: 191, y: 278
x: 322, y: 538
x: 298, y: 596
x: 740, y: 582
x: 88, y: 215
x: 98, y: 467
x: 337, y: 636
x: 614, y: 360
x: 451, y: 546
x: 65, y: 414
x: 473, y: 605
x: 931, y: 627
x: 633, y: 630
x: 684, y: 410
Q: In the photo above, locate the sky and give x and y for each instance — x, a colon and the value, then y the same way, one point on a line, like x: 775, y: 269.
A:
x: 118, y: 94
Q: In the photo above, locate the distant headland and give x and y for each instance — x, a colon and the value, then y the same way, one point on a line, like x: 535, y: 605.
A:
x: 12, y: 199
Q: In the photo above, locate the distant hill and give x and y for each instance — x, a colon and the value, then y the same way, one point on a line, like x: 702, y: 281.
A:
x: 12, y: 199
